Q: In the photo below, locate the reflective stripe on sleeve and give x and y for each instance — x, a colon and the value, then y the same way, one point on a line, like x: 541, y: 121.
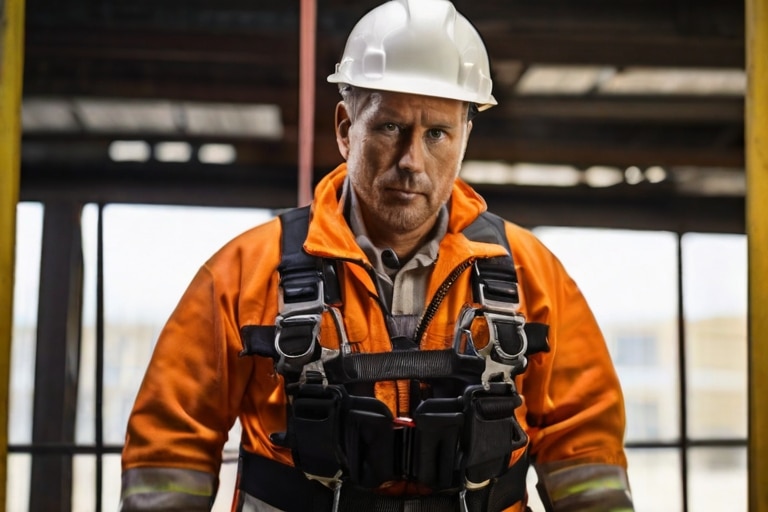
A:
x: 585, y: 488
x: 166, y: 489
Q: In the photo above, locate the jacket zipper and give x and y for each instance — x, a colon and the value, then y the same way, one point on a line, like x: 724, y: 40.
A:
x: 438, y: 297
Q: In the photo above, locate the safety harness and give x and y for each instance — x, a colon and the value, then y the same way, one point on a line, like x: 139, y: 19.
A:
x: 346, y: 443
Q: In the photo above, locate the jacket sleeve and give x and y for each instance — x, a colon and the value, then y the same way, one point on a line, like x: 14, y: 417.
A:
x: 575, y: 407
x: 191, y: 393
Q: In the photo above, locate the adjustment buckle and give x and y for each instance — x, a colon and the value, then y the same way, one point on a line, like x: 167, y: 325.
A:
x: 298, y: 296
x: 500, y: 295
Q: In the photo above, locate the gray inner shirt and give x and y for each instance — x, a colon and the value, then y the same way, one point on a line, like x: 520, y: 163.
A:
x: 403, y: 289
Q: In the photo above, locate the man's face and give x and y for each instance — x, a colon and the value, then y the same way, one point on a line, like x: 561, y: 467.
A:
x: 403, y: 154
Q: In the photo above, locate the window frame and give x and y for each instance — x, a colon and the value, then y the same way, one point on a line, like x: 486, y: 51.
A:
x: 62, y: 216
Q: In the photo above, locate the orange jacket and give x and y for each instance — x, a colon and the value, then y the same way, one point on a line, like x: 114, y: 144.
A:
x: 197, y: 384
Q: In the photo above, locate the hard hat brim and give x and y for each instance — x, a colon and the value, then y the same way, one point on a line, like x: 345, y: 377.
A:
x: 421, y: 87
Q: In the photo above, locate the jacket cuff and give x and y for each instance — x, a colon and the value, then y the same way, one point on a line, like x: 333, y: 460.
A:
x: 167, y: 489
x: 584, y: 488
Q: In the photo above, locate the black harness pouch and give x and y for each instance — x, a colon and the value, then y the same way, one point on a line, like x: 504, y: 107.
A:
x: 369, y: 441
x: 492, y: 431
x: 436, y: 453
x: 314, y: 429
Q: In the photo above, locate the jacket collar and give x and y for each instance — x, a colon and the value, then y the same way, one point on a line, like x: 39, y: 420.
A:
x: 331, y: 237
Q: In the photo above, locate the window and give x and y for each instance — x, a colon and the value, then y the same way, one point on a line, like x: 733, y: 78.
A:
x: 686, y: 407
x: 646, y: 420
x: 672, y: 308
x: 150, y: 253
x: 635, y: 349
x: 29, y: 229
x: 715, y: 305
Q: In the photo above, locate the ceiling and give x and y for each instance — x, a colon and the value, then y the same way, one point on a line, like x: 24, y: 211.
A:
x: 620, y: 113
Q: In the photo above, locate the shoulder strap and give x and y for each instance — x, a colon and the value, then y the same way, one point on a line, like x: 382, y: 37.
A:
x: 295, y: 224
x: 295, y: 261
x: 489, y: 228
x: 497, y: 277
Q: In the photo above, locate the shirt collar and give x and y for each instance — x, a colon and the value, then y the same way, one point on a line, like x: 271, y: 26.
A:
x: 427, y: 253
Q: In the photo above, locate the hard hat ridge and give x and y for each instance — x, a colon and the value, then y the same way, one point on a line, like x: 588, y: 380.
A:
x: 420, y: 47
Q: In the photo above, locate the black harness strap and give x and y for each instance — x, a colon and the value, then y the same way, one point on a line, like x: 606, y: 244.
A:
x: 488, y: 228
x: 295, y: 225
x: 395, y: 365
x: 259, y: 340
x: 306, y: 495
x: 300, y: 274
x: 299, y: 268
x: 353, y: 441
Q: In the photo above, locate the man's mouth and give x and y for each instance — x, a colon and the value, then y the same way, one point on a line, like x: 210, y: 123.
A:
x: 404, y: 193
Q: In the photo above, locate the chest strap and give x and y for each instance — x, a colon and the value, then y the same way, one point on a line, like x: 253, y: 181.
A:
x: 259, y: 340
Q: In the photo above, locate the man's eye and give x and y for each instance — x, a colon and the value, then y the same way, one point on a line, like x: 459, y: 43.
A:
x: 435, y: 133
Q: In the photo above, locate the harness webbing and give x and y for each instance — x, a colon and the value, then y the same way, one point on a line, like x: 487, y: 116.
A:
x: 306, y: 495
x: 259, y: 340
x: 398, y: 364
x: 295, y: 260
x: 460, y: 446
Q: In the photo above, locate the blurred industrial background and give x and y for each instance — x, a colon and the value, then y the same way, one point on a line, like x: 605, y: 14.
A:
x: 652, y: 90
x: 152, y: 132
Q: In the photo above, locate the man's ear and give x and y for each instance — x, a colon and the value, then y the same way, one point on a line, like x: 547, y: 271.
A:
x: 466, y: 139
x: 343, y: 123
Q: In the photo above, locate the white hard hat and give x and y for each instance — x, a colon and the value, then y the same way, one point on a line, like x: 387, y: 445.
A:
x: 417, y: 46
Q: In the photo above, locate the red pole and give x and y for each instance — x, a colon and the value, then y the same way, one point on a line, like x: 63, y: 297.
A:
x: 307, y: 30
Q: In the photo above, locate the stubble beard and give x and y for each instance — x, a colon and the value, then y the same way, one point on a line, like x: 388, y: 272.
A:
x: 398, y: 216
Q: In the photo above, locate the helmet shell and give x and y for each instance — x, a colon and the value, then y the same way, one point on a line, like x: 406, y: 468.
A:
x: 420, y: 47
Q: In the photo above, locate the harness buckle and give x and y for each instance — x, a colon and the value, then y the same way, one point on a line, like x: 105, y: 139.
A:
x: 499, y: 296
x: 507, y: 337
x: 507, y: 341
x: 297, y: 327
x: 296, y: 341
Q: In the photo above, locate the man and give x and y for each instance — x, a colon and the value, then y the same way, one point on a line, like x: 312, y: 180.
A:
x: 382, y: 352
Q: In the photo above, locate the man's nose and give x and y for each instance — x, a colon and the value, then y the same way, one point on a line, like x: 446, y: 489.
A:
x: 412, y: 156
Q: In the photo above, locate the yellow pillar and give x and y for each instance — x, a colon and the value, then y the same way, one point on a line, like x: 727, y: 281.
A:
x: 11, y: 59
x: 756, y: 116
